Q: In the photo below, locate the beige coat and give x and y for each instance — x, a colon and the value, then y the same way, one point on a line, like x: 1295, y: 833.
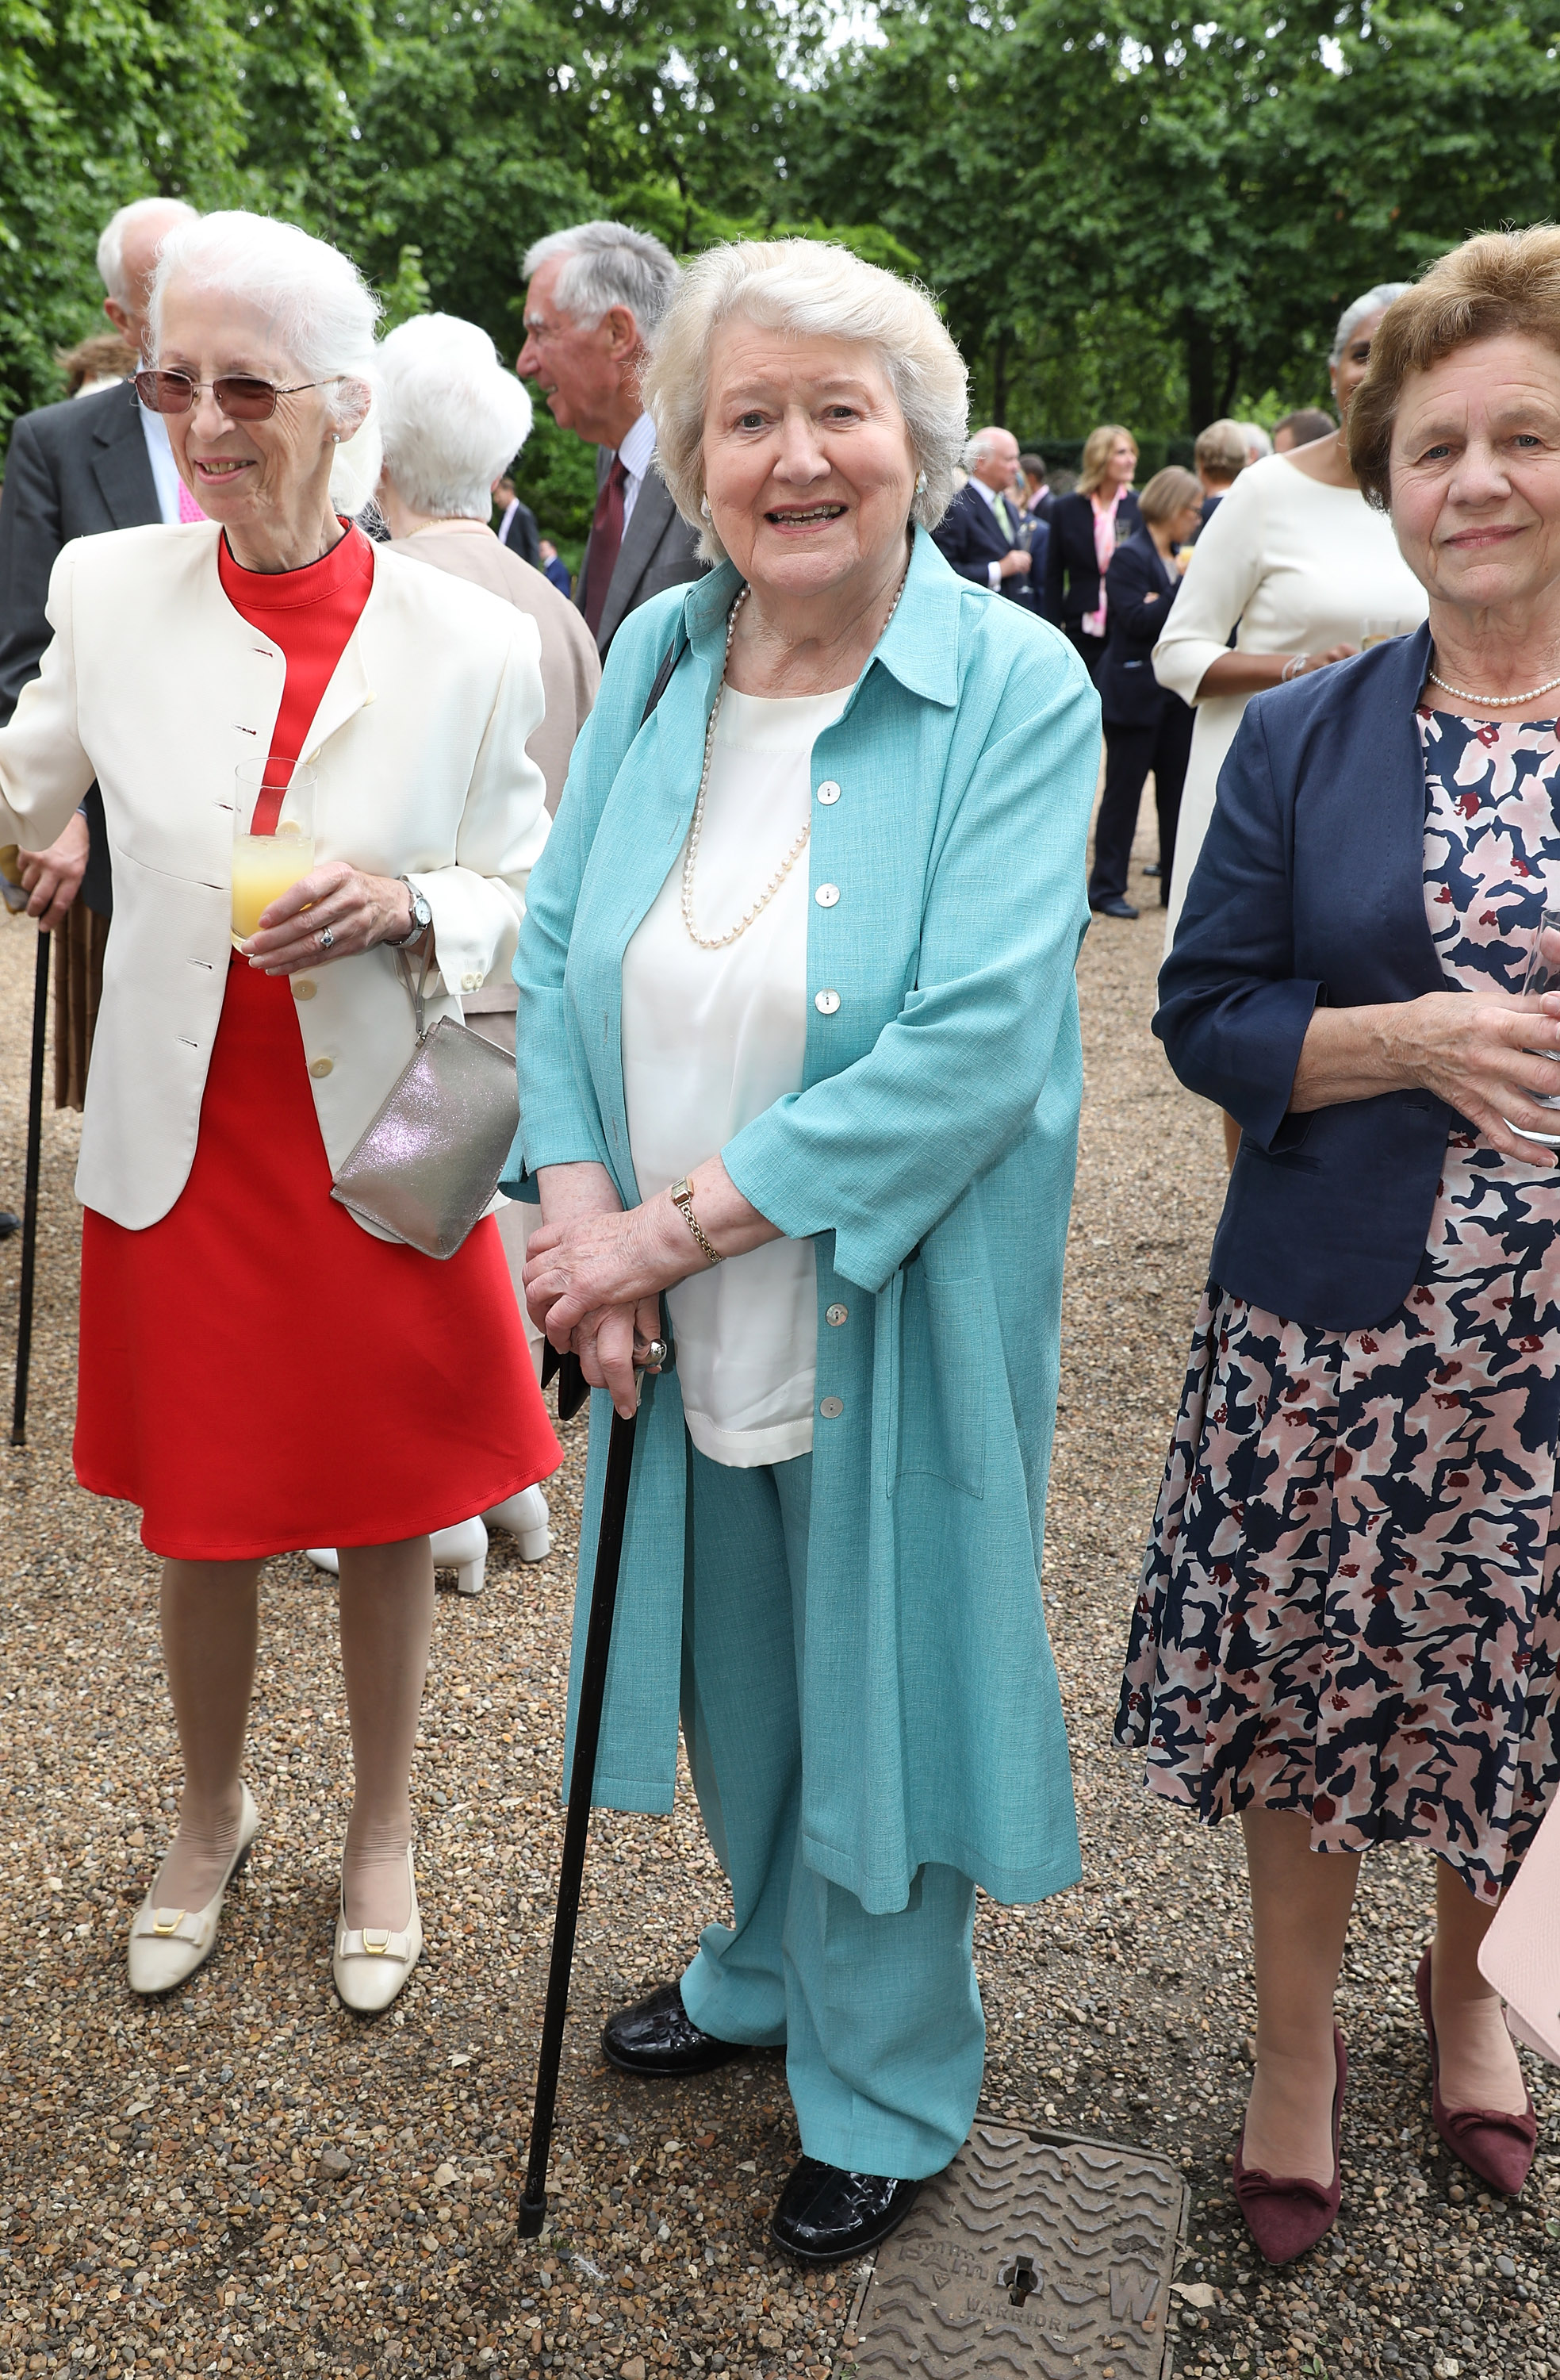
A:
x: 157, y: 688
x: 570, y: 669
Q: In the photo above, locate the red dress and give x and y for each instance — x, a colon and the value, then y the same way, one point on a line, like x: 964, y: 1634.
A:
x: 257, y: 1372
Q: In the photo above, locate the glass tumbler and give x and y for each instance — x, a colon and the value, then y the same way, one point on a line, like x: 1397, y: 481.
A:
x: 273, y: 836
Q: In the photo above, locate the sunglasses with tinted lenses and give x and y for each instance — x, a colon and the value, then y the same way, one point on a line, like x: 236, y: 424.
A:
x: 239, y: 395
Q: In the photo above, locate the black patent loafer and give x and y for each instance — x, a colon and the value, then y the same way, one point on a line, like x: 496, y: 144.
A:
x: 1117, y: 906
x: 657, y: 2036
x: 826, y: 2215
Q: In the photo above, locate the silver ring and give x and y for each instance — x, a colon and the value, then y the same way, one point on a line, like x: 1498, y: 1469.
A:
x: 655, y: 1353
x: 326, y: 938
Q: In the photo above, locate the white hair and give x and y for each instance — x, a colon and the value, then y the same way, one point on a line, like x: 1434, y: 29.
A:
x: 979, y: 447
x: 1258, y: 443
x: 805, y: 288
x: 453, y: 417
x: 111, y: 246
x: 608, y: 264
x: 321, y: 313
x: 1374, y: 302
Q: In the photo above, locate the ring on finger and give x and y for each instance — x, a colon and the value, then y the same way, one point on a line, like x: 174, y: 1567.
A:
x: 325, y: 938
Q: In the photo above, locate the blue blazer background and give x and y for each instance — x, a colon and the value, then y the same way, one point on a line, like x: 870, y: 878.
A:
x: 1311, y: 889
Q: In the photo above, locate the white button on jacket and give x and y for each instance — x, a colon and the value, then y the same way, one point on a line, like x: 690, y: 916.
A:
x: 157, y: 688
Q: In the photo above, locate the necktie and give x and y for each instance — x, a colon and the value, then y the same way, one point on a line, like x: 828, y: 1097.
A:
x: 606, y: 537
x: 188, y: 509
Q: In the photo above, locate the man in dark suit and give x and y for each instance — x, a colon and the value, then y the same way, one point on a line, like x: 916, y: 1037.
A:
x: 90, y: 464
x: 517, y: 523
x: 1037, y: 497
x: 595, y: 294
x: 981, y: 533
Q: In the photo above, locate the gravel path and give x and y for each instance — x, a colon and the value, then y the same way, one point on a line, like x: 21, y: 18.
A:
x: 247, y: 2179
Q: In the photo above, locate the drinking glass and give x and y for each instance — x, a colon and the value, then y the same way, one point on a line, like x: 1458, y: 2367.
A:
x: 1543, y: 975
x: 1379, y: 632
x: 273, y: 836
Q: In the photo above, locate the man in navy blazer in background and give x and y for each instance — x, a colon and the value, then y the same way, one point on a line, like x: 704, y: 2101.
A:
x: 981, y: 533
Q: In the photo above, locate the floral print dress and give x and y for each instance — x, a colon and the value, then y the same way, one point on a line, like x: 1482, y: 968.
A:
x: 1349, y: 1605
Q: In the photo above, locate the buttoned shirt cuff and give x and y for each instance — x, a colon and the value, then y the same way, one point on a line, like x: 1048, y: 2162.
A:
x: 995, y: 570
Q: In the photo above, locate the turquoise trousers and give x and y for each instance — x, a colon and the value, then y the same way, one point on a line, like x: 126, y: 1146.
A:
x: 882, y: 2019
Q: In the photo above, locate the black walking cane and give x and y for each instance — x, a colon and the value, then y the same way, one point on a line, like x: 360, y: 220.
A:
x: 572, y: 1393
x: 30, y: 1196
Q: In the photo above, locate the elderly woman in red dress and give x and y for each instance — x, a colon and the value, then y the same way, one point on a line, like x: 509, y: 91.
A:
x: 259, y: 1371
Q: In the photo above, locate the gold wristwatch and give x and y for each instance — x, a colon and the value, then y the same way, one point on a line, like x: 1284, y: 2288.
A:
x: 681, y: 1197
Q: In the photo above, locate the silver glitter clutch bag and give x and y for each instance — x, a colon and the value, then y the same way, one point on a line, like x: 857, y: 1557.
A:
x: 426, y: 1169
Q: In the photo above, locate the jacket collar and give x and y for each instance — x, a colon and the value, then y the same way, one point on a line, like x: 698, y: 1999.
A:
x: 919, y: 647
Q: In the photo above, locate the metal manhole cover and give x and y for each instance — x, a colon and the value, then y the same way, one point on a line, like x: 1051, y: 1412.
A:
x: 1035, y: 2256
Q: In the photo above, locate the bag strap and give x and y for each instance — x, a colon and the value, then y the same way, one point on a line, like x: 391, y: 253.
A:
x: 664, y: 675
x: 405, y: 972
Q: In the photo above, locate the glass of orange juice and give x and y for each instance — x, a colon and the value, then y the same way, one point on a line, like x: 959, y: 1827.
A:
x: 273, y: 836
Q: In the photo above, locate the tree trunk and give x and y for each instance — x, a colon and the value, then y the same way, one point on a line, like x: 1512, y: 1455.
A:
x: 999, y: 382
x: 1199, y: 375
x: 1231, y: 377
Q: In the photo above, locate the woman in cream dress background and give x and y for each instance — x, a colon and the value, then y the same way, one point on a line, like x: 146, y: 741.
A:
x: 1295, y: 563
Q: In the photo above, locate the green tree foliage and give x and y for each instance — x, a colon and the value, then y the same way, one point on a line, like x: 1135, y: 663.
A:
x: 1133, y: 212
x: 101, y: 101
x: 1127, y: 211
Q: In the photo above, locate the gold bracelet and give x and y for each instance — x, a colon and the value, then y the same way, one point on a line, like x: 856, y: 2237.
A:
x: 681, y: 1197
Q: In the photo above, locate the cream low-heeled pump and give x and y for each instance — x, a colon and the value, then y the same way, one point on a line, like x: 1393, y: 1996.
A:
x: 167, y: 1945
x: 462, y: 1549
x: 370, y: 1966
x: 527, y: 1521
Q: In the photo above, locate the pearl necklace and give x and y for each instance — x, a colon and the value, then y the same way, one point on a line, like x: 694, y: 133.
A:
x: 690, y: 857
x: 1495, y: 701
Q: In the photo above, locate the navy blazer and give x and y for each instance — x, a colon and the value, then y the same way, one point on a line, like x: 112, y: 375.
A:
x: 1310, y: 888
x: 969, y: 536
x: 1073, y: 571
x: 1140, y: 588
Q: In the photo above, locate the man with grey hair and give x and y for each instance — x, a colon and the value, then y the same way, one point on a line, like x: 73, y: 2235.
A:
x: 981, y: 533
x: 596, y: 294
x: 86, y: 464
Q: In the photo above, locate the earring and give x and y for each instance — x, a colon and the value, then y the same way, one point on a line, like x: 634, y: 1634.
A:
x: 920, y: 484
x: 704, y: 508
x: 335, y: 437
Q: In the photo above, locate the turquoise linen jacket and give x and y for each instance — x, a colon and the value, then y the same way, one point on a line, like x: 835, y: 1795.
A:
x: 930, y: 1156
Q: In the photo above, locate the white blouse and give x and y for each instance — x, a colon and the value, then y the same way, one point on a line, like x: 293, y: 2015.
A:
x: 710, y: 1039
x: 1295, y: 566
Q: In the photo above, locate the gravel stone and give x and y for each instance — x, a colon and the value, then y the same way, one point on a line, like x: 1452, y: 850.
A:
x: 247, y: 2179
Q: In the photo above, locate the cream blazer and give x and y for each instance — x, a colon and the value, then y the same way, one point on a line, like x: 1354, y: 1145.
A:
x: 157, y: 688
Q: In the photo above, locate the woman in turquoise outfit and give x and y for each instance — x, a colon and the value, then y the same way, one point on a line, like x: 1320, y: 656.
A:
x: 799, y: 1055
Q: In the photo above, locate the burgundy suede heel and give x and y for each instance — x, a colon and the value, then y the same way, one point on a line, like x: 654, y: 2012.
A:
x: 1496, y: 2145
x: 1286, y: 2216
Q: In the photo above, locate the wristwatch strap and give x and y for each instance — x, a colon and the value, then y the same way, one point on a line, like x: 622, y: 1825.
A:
x: 422, y: 915
x: 682, y: 1196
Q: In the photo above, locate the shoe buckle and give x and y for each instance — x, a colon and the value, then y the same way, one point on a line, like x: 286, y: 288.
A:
x: 375, y: 1942
x: 165, y: 1921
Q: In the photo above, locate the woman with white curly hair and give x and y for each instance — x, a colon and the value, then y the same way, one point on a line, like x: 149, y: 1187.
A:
x: 259, y: 1371
x: 799, y: 1062
x: 455, y: 419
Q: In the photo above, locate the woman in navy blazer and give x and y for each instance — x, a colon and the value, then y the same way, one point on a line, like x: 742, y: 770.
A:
x: 1146, y: 726
x: 1075, y: 598
x: 1349, y: 1624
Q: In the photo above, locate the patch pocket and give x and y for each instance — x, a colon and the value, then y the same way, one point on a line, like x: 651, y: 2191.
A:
x: 943, y: 1379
